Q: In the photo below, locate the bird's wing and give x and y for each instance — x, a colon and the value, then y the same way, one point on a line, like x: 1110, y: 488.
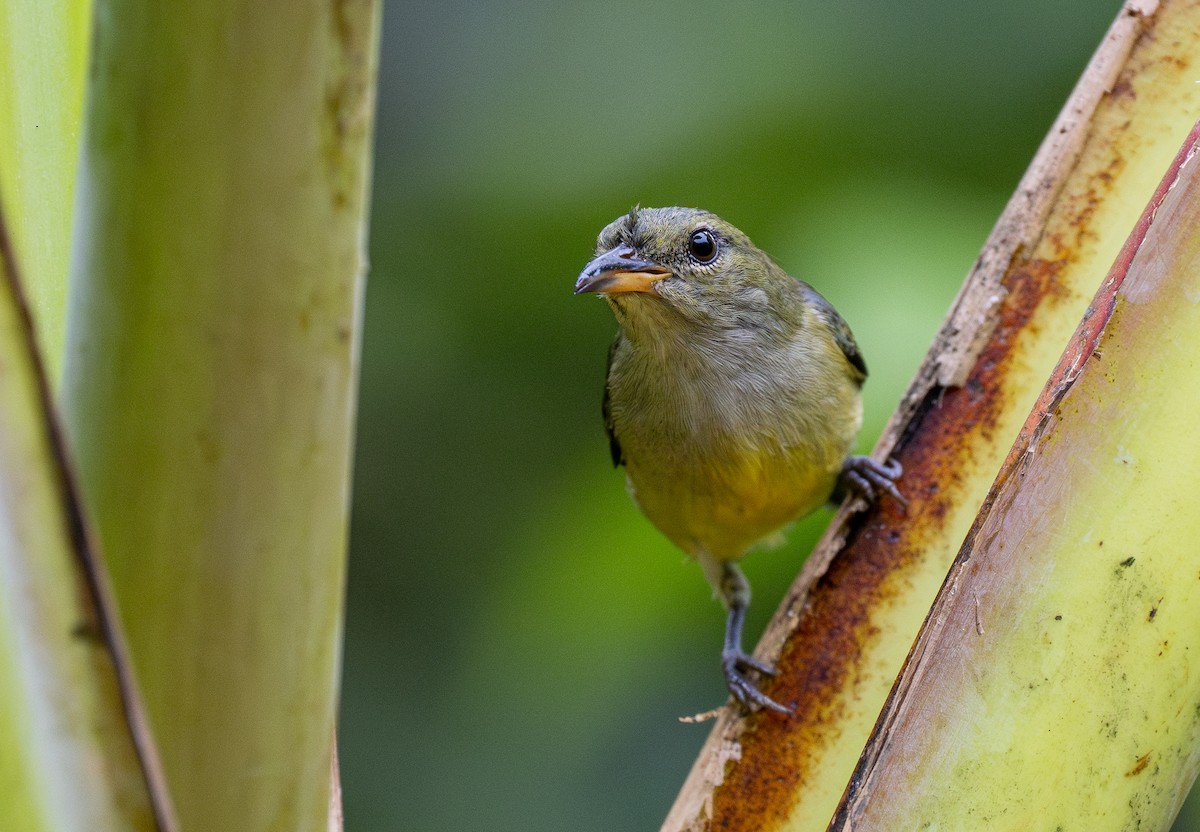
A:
x: 840, y: 329
x: 614, y: 446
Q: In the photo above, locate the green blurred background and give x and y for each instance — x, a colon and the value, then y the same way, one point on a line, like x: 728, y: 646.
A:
x: 519, y: 640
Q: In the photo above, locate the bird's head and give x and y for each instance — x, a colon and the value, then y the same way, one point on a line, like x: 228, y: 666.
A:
x: 669, y: 264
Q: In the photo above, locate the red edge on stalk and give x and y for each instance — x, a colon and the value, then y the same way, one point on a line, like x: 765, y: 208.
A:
x: 1087, y: 337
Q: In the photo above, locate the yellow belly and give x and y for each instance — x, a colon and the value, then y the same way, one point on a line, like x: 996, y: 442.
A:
x: 722, y: 507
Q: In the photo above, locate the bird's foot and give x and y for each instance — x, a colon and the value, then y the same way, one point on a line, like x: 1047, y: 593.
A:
x: 866, y: 477
x: 736, y: 664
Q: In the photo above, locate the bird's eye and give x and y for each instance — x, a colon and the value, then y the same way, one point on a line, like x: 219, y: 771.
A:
x: 702, y: 246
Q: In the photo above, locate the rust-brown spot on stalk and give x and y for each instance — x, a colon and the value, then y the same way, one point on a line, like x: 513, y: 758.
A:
x: 1139, y: 766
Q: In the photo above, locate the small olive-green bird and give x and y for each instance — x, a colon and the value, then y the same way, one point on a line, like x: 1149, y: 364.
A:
x: 732, y: 398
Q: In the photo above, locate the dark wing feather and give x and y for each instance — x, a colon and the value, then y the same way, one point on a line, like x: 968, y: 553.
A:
x: 840, y: 329
x: 614, y: 446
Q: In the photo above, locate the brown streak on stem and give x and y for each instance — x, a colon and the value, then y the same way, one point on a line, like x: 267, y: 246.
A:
x: 336, y: 820
x: 96, y: 598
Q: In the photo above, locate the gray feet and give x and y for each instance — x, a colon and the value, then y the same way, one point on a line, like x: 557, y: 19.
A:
x: 864, y: 476
x: 735, y: 663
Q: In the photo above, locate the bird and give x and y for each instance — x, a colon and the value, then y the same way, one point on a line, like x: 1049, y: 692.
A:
x: 732, y: 400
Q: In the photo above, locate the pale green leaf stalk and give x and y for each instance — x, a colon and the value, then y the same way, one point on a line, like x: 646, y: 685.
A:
x: 210, y: 377
x: 1055, y: 684
x: 43, y: 53
x: 70, y: 757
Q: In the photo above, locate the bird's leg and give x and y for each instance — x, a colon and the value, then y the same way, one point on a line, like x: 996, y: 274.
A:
x: 735, y: 592
x: 866, y: 477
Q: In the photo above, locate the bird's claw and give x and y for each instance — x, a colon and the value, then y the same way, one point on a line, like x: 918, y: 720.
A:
x: 866, y: 477
x: 735, y: 664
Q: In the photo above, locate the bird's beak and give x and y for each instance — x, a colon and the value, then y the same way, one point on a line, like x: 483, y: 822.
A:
x: 619, y: 270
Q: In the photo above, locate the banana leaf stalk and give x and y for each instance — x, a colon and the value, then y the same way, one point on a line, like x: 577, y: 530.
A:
x: 211, y: 373
x: 1054, y: 682
x: 43, y: 56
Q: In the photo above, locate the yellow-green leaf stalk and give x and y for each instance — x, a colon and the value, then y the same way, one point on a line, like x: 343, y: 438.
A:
x: 1056, y: 682
x: 72, y: 732
x: 43, y: 53
x: 210, y: 378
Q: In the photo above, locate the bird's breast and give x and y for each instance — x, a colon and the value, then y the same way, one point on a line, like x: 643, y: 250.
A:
x: 724, y: 446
